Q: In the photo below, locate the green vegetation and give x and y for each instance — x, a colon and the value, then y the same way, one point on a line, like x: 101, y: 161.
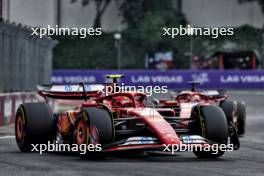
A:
x: 144, y: 20
x: 89, y: 53
x: 100, y: 52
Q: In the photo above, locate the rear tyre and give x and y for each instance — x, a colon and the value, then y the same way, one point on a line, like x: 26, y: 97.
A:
x: 94, y: 126
x: 214, y: 127
x: 241, y: 118
x: 34, y: 124
x: 229, y: 108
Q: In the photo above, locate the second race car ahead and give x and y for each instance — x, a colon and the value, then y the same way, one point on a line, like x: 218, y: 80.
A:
x: 182, y: 100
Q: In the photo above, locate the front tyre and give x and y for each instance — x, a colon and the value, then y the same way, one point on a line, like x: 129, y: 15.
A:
x: 94, y: 126
x: 241, y: 118
x: 214, y: 127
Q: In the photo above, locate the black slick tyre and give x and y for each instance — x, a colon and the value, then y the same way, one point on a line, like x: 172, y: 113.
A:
x: 34, y: 124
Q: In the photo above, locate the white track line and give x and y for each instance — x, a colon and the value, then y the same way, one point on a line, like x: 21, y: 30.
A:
x: 6, y: 137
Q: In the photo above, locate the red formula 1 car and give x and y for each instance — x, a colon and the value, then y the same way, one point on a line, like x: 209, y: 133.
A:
x: 119, y: 122
x: 183, y: 101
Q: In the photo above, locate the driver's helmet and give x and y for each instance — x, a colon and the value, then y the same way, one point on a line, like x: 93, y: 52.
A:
x: 196, y: 98
x: 122, y: 101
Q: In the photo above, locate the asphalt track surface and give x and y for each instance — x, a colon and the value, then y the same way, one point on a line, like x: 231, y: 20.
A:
x: 248, y: 160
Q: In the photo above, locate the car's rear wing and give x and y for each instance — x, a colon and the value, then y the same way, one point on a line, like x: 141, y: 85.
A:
x: 79, y: 92
x: 215, y: 93
x: 210, y: 93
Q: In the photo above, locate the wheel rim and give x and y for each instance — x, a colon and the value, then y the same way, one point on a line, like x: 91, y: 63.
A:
x: 81, y: 132
x: 20, y: 132
x: 94, y: 135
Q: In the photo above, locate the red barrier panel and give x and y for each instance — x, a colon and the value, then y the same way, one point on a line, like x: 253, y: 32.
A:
x: 9, y: 103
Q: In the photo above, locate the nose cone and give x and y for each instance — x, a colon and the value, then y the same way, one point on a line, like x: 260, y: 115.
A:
x: 159, y: 125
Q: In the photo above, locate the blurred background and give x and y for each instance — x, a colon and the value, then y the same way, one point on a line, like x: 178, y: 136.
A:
x: 132, y: 42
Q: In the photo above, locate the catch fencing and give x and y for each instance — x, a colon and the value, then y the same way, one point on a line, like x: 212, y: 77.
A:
x: 25, y: 60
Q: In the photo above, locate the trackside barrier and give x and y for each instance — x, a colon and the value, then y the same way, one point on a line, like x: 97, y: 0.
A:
x: 9, y: 103
x: 173, y: 79
x: 26, y: 60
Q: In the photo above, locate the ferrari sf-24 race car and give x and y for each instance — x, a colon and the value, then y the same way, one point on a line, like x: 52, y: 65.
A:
x: 120, y: 122
x: 182, y: 102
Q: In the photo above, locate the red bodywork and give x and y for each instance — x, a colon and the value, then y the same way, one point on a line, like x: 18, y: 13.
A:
x: 129, y: 106
x: 124, y: 105
x: 187, y: 99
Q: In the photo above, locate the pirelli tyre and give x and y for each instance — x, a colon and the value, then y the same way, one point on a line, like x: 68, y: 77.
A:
x: 229, y: 108
x: 94, y: 128
x: 34, y: 124
x: 241, y: 118
x: 214, y: 127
